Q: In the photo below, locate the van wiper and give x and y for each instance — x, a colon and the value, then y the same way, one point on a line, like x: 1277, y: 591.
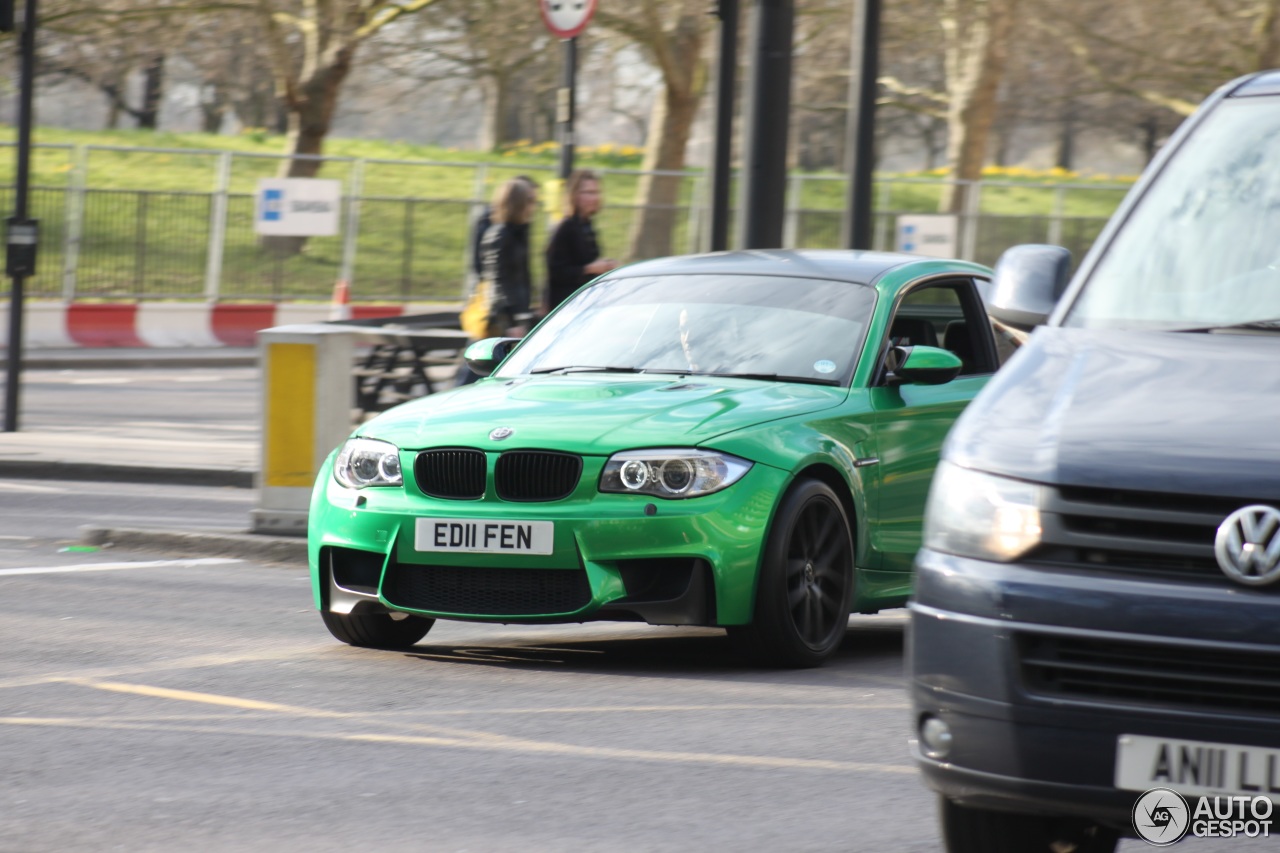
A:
x: 773, y: 377
x: 575, y: 368
x: 1251, y: 325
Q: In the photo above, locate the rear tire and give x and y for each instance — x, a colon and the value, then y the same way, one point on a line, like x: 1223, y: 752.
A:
x: 377, y: 630
x: 970, y: 830
x: 805, y: 584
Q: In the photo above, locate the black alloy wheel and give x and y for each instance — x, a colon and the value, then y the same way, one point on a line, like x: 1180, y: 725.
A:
x: 806, y: 582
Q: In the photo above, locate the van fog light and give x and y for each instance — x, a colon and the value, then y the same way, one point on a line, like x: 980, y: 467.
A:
x: 935, y: 737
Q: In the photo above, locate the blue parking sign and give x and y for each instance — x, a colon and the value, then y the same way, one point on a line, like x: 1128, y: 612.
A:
x: 272, y: 205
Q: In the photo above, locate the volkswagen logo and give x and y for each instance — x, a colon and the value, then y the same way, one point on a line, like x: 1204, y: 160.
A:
x: 1248, y: 545
x: 500, y: 433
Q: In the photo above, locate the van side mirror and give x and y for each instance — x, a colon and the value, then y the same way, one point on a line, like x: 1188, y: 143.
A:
x: 484, y: 356
x: 1028, y: 281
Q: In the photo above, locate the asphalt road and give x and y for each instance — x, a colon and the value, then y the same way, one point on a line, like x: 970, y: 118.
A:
x: 220, y: 401
x: 152, y: 702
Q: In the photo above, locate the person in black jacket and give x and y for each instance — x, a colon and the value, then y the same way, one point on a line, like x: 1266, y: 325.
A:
x: 504, y: 257
x: 573, y: 252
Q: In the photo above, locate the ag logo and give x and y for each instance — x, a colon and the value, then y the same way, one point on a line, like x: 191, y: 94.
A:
x: 500, y: 433
x: 1161, y: 817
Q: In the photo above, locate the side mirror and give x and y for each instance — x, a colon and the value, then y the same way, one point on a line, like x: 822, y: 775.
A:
x: 483, y: 357
x: 1027, y: 283
x: 922, y: 365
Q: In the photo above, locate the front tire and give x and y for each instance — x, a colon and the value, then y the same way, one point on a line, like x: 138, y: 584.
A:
x: 805, y: 584
x: 970, y: 830
x: 380, y: 630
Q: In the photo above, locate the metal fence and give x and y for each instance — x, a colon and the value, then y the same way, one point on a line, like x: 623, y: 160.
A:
x: 406, y: 223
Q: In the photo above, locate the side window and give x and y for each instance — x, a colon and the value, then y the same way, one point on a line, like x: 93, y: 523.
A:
x: 946, y: 314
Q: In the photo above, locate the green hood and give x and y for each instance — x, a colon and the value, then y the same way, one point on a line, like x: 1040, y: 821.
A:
x: 595, y: 413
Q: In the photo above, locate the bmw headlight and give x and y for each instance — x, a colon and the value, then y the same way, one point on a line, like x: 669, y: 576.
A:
x: 980, y: 515
x: 671, y: 472
x: 368, y: 462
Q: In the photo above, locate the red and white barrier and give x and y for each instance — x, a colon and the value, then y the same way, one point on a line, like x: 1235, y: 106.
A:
x: 52, y: 324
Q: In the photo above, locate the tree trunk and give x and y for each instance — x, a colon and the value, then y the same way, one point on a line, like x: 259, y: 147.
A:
x: 976, y: 48
x: 1150, y: 138
x: 310, y: 117
x: 1067, y: 140
x: 493, y: 129
x: 1268, y: 31
x: 152, y: 93
x: 213, y: 106
x: 659, y: 195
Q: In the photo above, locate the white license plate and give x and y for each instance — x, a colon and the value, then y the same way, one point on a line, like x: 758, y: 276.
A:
x: 1196, y: 767
x: 484, y: 536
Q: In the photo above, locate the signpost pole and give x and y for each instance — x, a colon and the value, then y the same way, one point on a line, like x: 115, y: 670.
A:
x: 764, y: 179
x: 565, y: 106
x: 726, y: 75
x: 566, y: 21
x: 862, y: 123
x: 21, y: 234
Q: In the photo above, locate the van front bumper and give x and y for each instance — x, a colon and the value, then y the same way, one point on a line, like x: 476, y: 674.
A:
x: 1020, y: 742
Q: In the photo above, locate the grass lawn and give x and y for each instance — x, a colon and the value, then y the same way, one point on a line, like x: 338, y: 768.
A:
x: 147, y: 214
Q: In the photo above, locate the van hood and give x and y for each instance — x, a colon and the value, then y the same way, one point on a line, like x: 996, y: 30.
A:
x: 595, y: 413
x: 1155, y: 411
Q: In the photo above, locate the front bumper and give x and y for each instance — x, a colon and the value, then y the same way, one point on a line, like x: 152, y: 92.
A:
x: 683, y: 562
x: 1022, y: 745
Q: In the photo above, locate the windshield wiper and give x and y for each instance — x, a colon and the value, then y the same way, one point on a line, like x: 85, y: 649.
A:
x: 574, y: 368
x: 1252, y: 325
x: 773, y: 377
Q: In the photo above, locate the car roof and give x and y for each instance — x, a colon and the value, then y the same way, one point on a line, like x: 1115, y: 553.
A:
x: 1266, y: 83
x: 831, y: 264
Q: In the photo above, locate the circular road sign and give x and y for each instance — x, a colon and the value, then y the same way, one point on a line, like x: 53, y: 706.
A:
x: 566, y: 18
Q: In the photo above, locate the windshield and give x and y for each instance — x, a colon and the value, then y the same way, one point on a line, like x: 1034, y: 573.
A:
x: 1202, y: 246
x: 789, y: 328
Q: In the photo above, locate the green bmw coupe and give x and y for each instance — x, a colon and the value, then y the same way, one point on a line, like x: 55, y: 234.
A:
x: 741, y: 440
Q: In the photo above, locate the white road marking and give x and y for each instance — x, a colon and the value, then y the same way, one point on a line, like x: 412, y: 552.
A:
x: 17, y: 538
x: 30, y: 487
x: 106, y: 567
x: 103, y: 380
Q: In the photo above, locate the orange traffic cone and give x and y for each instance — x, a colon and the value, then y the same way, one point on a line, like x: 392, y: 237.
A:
x: 340, y: 307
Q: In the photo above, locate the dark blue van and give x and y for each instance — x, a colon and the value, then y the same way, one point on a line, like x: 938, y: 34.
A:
x: 1097, y: 606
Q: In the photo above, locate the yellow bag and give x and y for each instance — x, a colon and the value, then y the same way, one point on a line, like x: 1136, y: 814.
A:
x: 474, y: 318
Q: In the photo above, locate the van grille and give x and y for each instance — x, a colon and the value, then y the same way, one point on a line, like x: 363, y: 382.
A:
x: 1140, y: 534
x: 1135, y: 673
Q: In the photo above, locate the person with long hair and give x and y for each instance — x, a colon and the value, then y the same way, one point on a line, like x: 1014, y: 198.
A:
x: 573, y: 252
x: 504, y: 254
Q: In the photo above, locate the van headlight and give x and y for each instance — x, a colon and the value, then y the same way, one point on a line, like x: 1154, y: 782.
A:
x: 368, y: 462
x: 671, y: 472
x: 972, y: 514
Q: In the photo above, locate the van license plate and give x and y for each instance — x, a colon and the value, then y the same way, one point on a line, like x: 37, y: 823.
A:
x: 484, y: 536
x: 1196, y: 767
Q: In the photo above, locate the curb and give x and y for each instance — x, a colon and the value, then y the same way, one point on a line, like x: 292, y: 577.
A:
x: 249, y: 546
x: 38, y: 469
x: 88, y: 360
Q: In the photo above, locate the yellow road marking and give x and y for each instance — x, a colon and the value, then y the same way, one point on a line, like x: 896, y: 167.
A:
x: 191, y: 662
x: 454, y: 738
x: 528, y: 747
x: 548, y: 747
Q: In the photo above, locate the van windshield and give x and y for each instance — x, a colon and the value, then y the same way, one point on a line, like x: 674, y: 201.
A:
x: 1202, y: 246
